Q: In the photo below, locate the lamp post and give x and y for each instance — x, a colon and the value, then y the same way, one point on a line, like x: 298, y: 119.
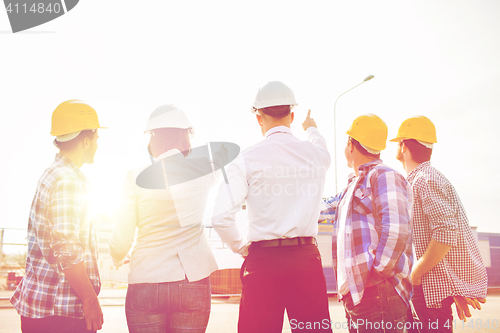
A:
x: 368, y: 78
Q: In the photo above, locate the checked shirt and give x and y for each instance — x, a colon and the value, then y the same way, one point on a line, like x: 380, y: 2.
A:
x: 377, y: 231
x: 439, y: 214
x: 60, y: 235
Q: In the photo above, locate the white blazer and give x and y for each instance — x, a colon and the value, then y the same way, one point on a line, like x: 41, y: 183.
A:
x: 170, y: 242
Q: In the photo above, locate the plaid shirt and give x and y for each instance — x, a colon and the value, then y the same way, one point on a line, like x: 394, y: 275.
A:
x: 60, y: 235
x: 378, y: 230
x: 438, y: 214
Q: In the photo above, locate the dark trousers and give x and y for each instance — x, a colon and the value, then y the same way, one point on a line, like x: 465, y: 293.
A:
x: 381, y: 310
x: 168, y: 307
x: 279, y: 278
x: 53, y: 324
x: 428, y: 319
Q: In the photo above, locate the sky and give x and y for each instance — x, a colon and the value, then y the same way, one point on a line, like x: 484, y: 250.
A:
x: 440, y: 59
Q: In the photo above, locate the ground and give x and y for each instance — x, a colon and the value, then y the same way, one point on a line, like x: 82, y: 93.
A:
x: 224, y: 316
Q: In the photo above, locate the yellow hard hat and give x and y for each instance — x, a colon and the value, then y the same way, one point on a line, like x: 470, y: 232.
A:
x: 370, y: 131
x: 419, y: 128
x: 73, y: 116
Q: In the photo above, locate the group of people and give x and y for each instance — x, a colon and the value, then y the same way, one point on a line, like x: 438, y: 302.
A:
x: 381, y: 222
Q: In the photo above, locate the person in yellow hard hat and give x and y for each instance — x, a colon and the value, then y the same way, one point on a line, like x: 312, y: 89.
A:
x: 58, y: 292
x: 372, y: 253
x: 449, y: 267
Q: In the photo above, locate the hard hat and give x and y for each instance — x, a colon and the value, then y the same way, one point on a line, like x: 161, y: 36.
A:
x: 73, y: 116
x: 169, y: 116
x: 370, y: 131
x: 272, y: 94
x: 419, y: 128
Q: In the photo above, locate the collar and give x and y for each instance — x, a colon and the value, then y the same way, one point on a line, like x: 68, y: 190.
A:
x: 66, y: 161
x: 69, y: 163
x: 363, y: 170
x: 168, y: 153
x: 277, y: 129
x: 350, y: 178
x: 368, y: 166
x: 413, y: 174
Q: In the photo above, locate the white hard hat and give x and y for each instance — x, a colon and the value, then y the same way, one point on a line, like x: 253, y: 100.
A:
x: 274, y: 93
x: 169, y: 116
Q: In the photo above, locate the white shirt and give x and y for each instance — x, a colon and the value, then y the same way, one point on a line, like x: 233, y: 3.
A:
x: 342, y: 284
x: 282, y: 180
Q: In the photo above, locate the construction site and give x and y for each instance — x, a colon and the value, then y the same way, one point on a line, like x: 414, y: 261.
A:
x: 225, y: 283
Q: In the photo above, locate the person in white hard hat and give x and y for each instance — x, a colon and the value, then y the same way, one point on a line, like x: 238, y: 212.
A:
x: 170, y: 264
x: 281, y: 179
x: 58, y: 292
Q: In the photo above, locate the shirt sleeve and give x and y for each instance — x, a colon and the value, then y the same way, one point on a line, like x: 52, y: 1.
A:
x: 392, y: 203
x: 329, y: 208
x: 315, y: 137
x: 125, y: 222
x: 67, y: 211
x: 441, y: 211
x: 228, y: 202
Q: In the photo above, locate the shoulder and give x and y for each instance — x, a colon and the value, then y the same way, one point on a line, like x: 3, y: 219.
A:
x: 383, y: 171
x: 60, y: 175
x: 256, y: 148
x: 430, y: 176
x: 386, y: 179
x: 277, y: 142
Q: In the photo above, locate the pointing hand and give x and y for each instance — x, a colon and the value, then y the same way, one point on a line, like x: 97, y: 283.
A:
x: 309, y: 122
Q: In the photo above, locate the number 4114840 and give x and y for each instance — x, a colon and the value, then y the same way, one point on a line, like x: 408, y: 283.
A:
x: 36, y: 8
x: 474, y: 324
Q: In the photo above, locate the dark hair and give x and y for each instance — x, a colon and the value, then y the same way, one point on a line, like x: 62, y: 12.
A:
x: 278, y: 111
x: 419, y: 153
x: 172, y: 138
x: 362, y: 150
x: 71, y: 144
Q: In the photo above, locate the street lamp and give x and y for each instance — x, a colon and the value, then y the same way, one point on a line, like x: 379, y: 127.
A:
x: 368, y: 78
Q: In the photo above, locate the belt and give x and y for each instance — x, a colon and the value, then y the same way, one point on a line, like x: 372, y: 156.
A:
x: 297, y: 241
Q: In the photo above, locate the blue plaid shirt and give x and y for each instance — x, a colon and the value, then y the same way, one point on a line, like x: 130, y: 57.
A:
x: 60, y: 235
x: 379, y: 247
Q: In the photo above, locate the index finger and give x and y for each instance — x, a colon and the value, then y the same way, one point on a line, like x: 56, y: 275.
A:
x: 89, y: 323
x: 465, y: 308
x: 97, y: 325
x: 309, y: 113
x: 472, y: 302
